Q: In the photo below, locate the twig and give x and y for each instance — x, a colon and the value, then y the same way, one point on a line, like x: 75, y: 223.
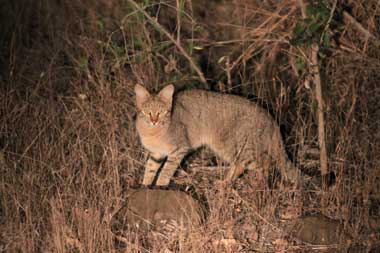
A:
x: 303, y: 8
x: 170, y: 37
x: 178, y: 23
x: 321, y: 118
x: 133, y: 246
x: 262, y: 218
x: 228, y: 71
x: 348, y: 19
x: 329, y: 20
x: 319, y: 97
x: 209, y: 168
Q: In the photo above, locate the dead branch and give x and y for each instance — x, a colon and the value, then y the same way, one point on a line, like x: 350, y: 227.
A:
x: 319, y: 98
x: 209, y: 168
x: 172, y: 39
x: 348, y: 20
x: 321, y: 119
x: 303, y: 8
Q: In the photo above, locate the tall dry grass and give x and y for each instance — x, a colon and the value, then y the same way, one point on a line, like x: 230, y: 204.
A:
x: 69, y: 150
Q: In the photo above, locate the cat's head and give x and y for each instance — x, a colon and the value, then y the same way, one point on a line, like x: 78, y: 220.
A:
x: 154, y: 110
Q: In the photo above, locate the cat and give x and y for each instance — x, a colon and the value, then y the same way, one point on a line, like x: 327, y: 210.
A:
x: 238, y: 130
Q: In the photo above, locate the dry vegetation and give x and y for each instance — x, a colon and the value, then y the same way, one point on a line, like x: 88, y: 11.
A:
x: 68, y: 147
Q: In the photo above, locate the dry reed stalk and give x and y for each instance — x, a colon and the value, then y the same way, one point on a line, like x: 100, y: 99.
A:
x: 321, y: 118
x: 178, y: 22
x: 320, y: 112
x: 348, y: 20
x: 193, y: 65
x: 266, y: 27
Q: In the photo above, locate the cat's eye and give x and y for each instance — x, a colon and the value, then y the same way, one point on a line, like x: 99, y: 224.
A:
x: 165, y: 113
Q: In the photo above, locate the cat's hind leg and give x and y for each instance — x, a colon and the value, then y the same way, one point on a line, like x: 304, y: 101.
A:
x: 235, y: 171
x: 239, y: 168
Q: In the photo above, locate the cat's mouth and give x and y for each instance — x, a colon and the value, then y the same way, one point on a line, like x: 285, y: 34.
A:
x: 154, y: 123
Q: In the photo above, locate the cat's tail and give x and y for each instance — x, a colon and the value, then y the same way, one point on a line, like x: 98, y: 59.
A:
x: 289, y: 172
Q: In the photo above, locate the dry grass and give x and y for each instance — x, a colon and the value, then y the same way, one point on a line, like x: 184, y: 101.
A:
x: 69, y: 150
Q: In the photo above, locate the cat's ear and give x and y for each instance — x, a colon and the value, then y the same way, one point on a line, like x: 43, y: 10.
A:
x: 166, y: 94
x: 142, y: 95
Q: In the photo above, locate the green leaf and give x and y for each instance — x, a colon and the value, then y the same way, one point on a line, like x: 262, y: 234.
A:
x: 190, y: 46
x: 198, y: 28
x: 140, y: 16
x: 173, y: 77
x: 308, y: 20
x: 181, y: 7
x: 300, y: 65
x: 317, y: 16
x: 326, y: 41
x: 314, y: 106
x: 100, y: 24
x: 83, y: 62
x: 119, y: 50
x: 137, y: 43
x: 296, y: 42
x: 221, y: 59
x: 325, y: 14
x: 309, y: 40
x: 313, y: 28
x: 321, y: 55
x: 310, y: 10
x: 298, y: 30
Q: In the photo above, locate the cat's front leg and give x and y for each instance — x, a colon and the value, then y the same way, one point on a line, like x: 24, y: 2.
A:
x: 151, y: 167
x: 172, y: 163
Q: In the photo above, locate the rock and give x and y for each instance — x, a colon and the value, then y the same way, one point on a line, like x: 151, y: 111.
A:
x: 318, y: 229
x: 161, y: 210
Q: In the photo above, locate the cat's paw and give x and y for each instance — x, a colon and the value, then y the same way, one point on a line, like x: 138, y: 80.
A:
x: 147, y: 182
x: 163, y: 181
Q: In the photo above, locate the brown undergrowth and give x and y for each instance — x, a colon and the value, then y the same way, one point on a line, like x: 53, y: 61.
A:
x: 69, y: 151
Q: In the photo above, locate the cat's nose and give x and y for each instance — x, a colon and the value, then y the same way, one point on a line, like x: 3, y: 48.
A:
x: 154, y: 119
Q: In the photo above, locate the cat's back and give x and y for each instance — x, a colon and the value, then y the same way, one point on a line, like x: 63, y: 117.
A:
x: 211, y: 112
x: 203, y: 98
x: 211, y: 103
x: 220, y: 121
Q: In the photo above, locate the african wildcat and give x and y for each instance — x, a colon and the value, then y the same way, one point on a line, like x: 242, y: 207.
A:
x: 236, y: 129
